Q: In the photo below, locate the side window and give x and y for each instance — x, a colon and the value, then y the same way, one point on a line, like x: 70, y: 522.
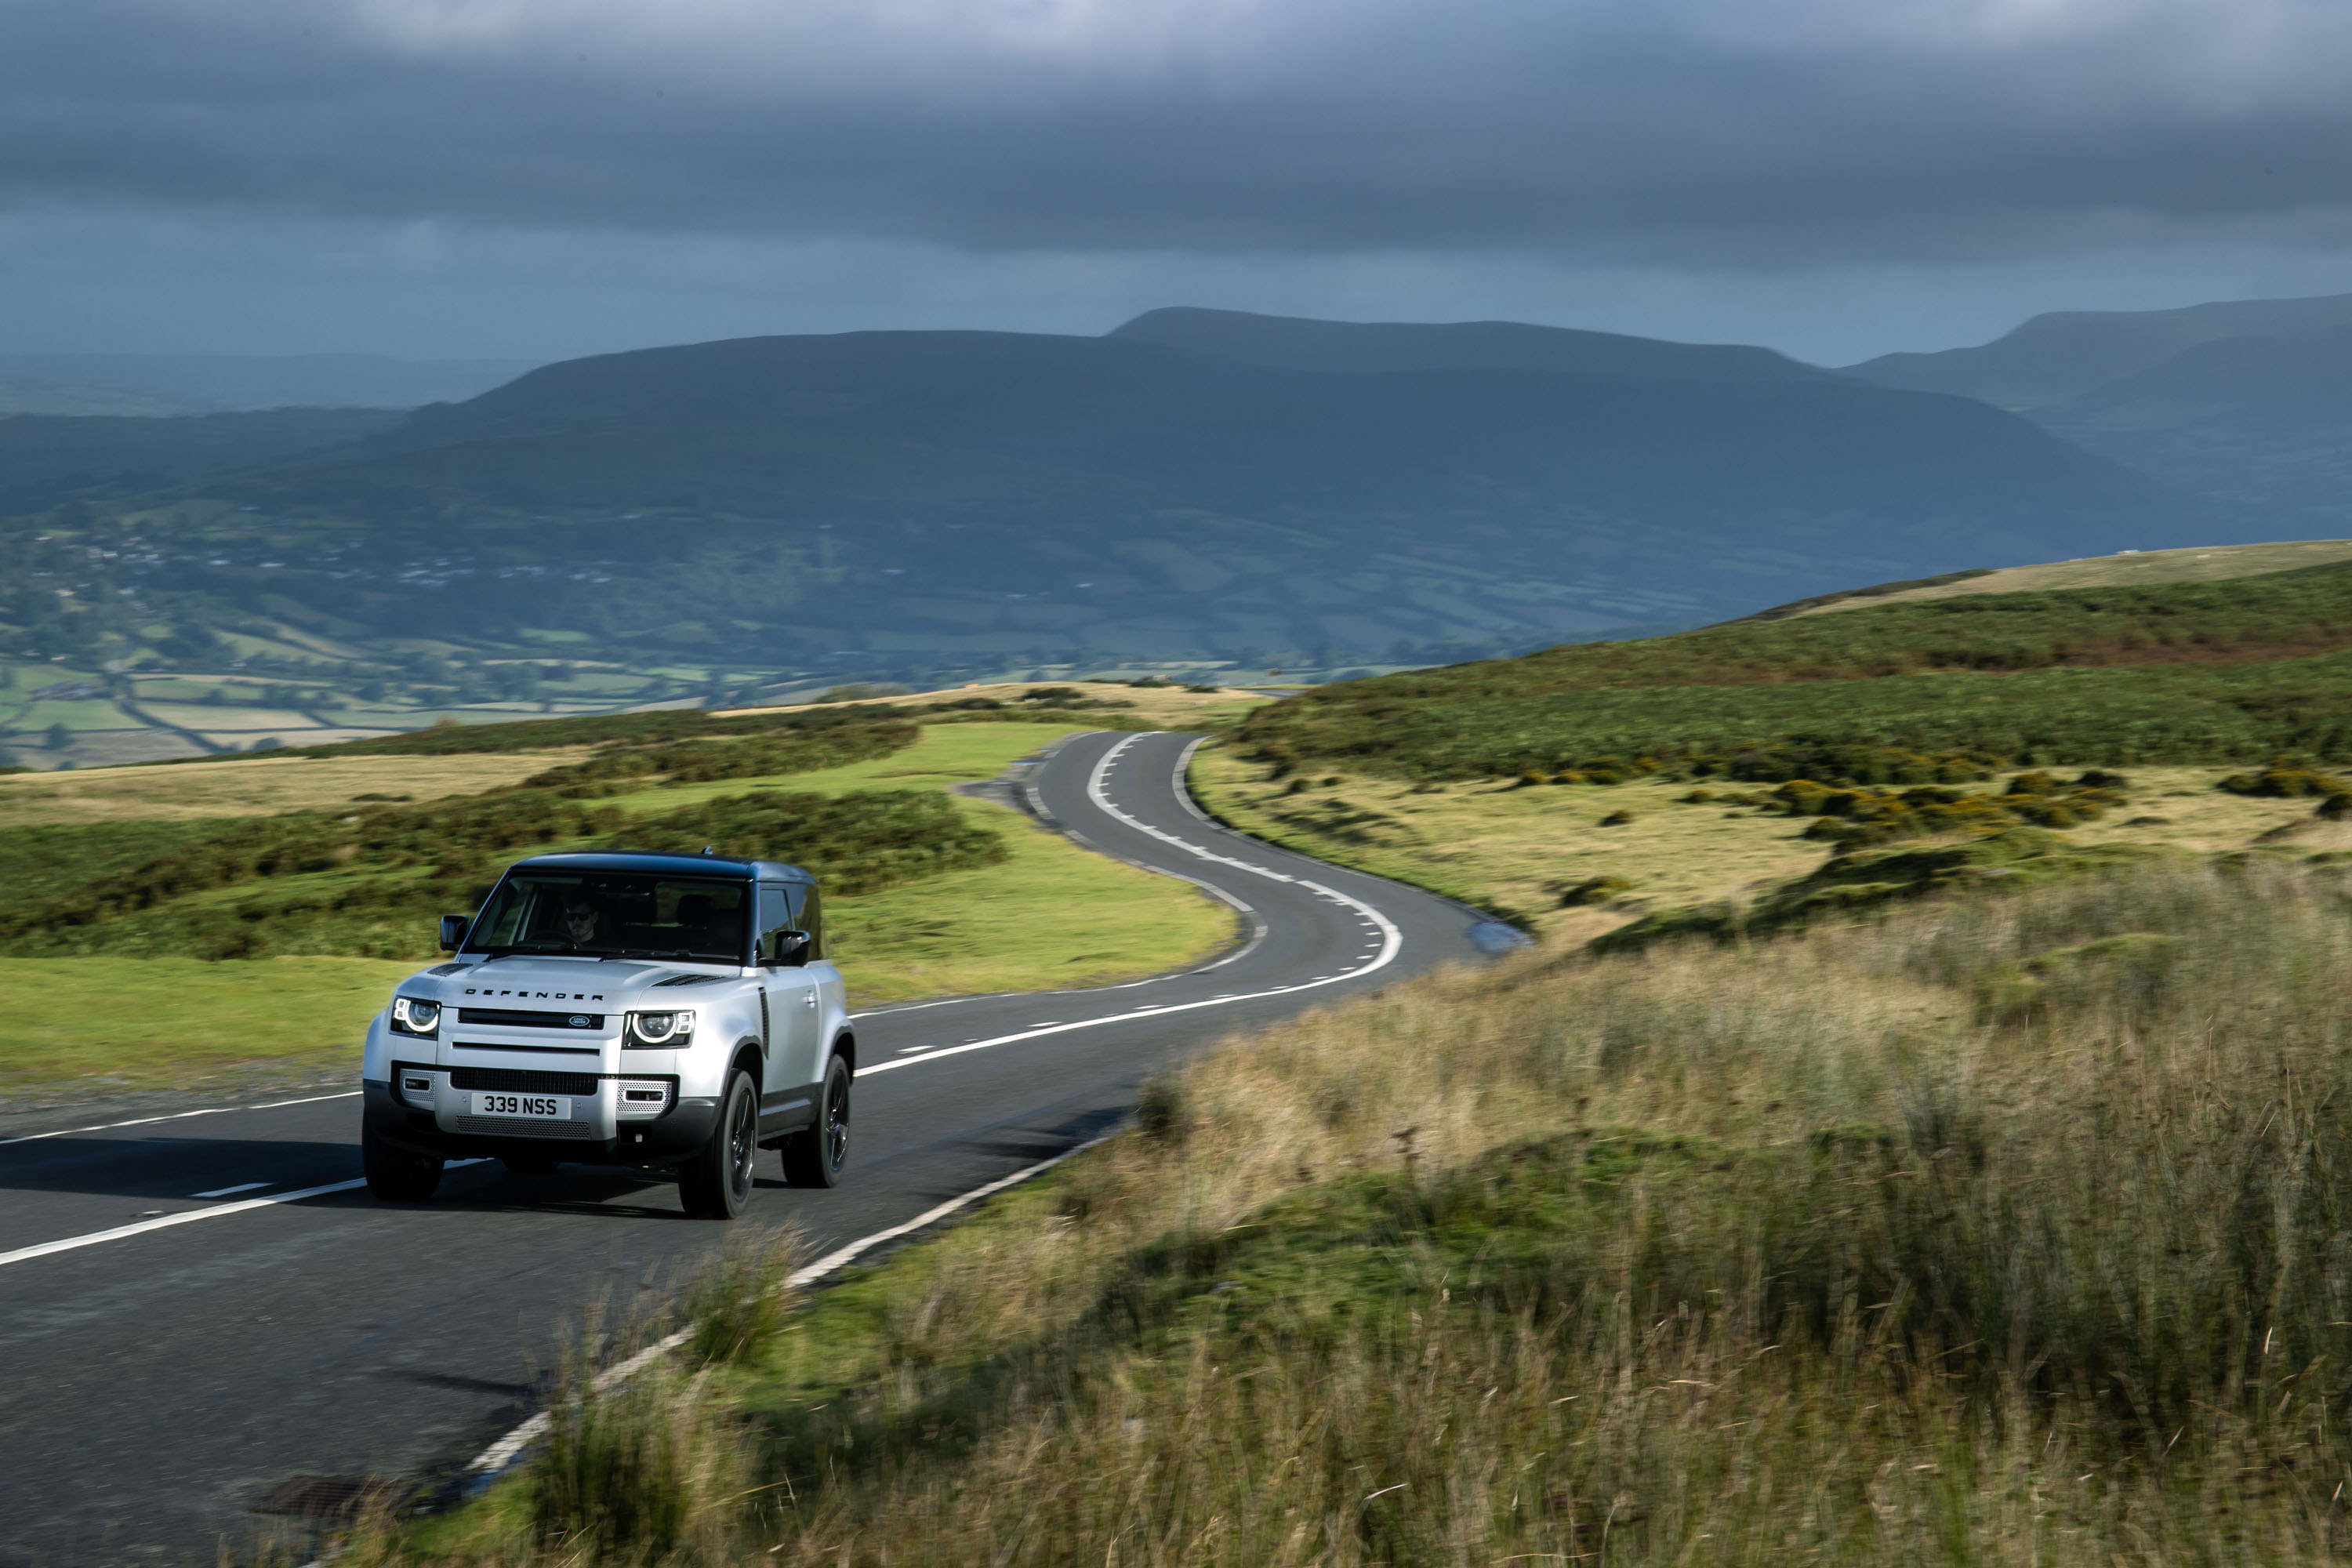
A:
x: 808, y: 909
x: 775, y: 915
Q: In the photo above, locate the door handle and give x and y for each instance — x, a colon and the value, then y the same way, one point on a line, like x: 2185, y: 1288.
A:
x: 808, y: 998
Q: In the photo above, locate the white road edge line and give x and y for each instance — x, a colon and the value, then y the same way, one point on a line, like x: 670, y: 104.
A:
x: 486, y: 1464
x: 187, y: 1217
x: 1391, y: 940
x: 179, y: 1116
x: 232, y: 1191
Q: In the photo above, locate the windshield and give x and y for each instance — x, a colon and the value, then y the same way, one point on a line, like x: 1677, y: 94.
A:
x: 616, y: 915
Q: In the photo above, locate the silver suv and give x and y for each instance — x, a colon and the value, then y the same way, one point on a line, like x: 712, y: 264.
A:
x: 664, y: 1011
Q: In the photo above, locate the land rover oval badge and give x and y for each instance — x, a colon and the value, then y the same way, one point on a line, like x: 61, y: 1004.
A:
x: 578, y: 1020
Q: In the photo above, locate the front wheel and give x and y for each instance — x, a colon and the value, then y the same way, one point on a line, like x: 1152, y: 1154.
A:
x: 717, y: 1182
x: 394, y: 1173
x: 815, y: 1158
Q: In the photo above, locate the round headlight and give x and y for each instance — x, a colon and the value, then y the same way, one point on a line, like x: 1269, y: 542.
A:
x: 416, y: 1017
x: 656, y: 1027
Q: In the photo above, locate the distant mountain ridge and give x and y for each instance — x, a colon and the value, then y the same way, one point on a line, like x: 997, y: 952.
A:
x: 2051, y: 358
x: 2248, y: 402
x: 166, y: 385
x: 1194, y: 484
x: 1293, y: 342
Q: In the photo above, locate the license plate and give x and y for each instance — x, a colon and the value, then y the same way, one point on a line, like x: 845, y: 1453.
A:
x: 551, y: 1107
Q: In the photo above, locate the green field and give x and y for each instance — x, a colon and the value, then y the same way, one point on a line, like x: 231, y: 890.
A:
x: 936, y: 895
x: 99, y: 1024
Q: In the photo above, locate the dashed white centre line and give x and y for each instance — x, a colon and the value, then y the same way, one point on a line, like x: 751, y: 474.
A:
x: 186, y: 1216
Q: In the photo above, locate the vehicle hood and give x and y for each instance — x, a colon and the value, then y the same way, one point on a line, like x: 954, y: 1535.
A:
x: 551, y: 983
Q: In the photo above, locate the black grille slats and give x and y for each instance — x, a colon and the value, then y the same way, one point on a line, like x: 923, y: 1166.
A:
x: 519, y: 1080
x: 515, y: 1018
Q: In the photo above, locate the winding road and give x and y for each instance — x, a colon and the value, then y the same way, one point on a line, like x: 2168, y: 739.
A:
x: 196, y: 1308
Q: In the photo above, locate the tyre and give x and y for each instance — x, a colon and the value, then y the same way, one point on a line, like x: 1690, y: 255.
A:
x: 815, y: 1158
x: 394, y: 1173
x: 717, y: 1182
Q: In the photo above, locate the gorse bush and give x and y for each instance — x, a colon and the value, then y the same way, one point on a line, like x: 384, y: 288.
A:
x: 1858, y: 818
x: 2286, y: 778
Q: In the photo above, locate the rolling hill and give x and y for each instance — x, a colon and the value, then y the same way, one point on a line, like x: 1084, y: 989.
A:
x: 1195, y: 485
x: 2247, y: 402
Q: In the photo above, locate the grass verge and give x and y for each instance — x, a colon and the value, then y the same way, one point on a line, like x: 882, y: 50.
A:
x: 2004, y: 1230
x: 182, y: 1023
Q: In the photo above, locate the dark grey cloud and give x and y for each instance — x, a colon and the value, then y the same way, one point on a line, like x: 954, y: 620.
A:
x: 1708, y: 133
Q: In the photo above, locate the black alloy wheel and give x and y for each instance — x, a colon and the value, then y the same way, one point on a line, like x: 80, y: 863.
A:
x: 394, y: 1173
x: 815, y: 1158
x: 717, y: 1182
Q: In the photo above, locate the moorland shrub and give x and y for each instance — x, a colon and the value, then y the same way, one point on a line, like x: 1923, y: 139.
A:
x: 392, y: 870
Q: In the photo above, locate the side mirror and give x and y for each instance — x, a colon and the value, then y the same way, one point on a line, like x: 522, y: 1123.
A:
x: 791, y: 949
x: 453, y: 931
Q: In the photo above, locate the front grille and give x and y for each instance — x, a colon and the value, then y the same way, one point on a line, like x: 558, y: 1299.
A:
x: 517, y: 1019
x: 524, y: 1127
x: 515, y: 1080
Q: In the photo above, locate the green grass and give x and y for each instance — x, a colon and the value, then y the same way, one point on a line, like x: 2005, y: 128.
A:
x: 2180, y: 673
x: 180, y: 1023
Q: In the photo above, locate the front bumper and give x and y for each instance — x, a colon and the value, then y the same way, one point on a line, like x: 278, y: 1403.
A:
x: 432, y: 1122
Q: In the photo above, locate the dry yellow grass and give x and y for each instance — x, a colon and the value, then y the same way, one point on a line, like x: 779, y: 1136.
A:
x: 2212, y: 563
x: 259, y: 787
x: 1508, y: 849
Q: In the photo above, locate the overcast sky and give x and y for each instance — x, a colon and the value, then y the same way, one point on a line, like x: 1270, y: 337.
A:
x: 549, y: 177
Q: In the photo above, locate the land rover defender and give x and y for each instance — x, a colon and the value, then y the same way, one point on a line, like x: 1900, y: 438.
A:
x: 666, y: 1012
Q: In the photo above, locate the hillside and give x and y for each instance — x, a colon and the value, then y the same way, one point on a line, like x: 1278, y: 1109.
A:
x: 44, y: 459
x: 922, y: 499
x: 2133, y: 569
x: 163, y: 385
x: 2261, y: 423
x: 2248, y: 402
x: 2051, y: 358
x: 2199, y: 671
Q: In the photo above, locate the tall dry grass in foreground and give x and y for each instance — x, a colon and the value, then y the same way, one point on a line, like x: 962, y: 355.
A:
x: 2012, y: 1230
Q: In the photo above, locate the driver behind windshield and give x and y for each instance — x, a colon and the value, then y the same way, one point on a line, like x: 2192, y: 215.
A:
x: 582, y: 920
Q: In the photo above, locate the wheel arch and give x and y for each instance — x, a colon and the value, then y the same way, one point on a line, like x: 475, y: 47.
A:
x: 748, y: 1058
x: 845, y: 1046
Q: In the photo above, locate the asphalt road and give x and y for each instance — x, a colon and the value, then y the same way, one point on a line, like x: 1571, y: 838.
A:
x: 160, y: 1383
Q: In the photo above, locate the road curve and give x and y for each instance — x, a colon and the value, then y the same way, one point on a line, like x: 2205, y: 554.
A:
x: 194, y: 1309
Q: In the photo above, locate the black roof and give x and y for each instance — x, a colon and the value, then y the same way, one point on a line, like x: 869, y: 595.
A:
x: 668, y: 864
